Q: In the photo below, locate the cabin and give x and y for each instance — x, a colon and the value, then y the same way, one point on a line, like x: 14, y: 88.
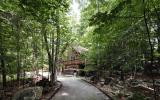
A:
x: 74, y: 62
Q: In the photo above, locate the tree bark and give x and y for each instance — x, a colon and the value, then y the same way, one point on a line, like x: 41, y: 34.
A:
x: 53, y: 59
x: 50, y: 63
x: 2, y: 60
x: 18, y: 50
x: 158, y: 25
x: 42, y: 55
x: 57, y: 44
x: 35, y: 53
x: 151, y: 47
x: 3, y: 70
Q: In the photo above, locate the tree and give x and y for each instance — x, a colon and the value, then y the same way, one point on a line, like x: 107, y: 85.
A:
x: 110, y: 31
x: 26, y: 28
x: 47, y: 15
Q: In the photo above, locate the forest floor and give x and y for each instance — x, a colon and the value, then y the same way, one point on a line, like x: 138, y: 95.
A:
x: 13, y: 87
x: 114, y: 87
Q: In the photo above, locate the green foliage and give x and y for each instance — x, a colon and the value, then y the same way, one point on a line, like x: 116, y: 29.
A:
x: 117, y: 34
x: 22, y: 45
x: 137, y: 96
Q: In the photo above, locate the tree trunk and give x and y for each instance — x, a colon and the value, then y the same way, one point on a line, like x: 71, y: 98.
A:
x: 57, y: 45
x: 122, y: 74
x: 53, y: 59
x: 42, y: 56
x: 35, y: 53
x: 18, y: 65
x: 64, y: 49
x: 18, y: 53
x: 2, y: 60
x: 3, y: 70
x: 151, y: 47
x: 50, y: 63
x: 158, y: 25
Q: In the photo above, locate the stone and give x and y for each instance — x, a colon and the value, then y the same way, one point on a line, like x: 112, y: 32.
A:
x: 31, y: 93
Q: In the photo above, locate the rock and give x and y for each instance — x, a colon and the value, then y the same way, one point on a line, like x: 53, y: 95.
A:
x: 135, y: 82
x: 108, y: 80
x: 46, y: 84
x: 31, y: 93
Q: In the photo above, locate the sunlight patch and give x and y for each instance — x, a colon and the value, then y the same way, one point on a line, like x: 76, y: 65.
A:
x: 65, y: 94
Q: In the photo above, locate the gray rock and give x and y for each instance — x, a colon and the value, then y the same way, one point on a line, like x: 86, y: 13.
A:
x: 31, y: 93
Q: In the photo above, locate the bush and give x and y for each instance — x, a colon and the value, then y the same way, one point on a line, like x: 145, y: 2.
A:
x: 137, y: 96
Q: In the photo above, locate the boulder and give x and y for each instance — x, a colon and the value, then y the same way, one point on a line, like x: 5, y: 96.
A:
x: 31, y: 93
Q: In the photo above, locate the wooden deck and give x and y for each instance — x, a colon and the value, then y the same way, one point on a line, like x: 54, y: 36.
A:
x: 73, y: 62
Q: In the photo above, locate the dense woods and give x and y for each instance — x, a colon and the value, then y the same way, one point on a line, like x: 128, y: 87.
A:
x: 122, y: 37
x: 32, y: 34
x: 122, y: 33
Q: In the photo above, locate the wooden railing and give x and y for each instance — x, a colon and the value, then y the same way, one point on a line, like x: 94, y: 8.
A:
x: 73, y: 62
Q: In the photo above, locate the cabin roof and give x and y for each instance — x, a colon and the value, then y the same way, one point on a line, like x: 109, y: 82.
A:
x: 80, y: 49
